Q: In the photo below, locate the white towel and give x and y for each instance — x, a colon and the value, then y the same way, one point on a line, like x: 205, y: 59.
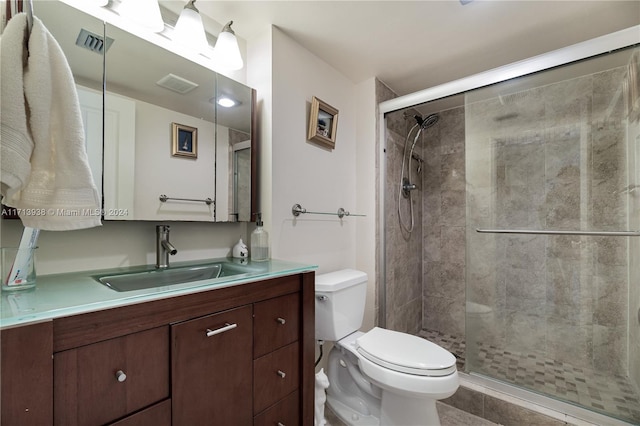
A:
x: 16, y: 144
x: 60, y: 185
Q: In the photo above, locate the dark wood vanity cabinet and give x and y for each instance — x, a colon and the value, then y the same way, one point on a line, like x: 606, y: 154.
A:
x: 239, y: 355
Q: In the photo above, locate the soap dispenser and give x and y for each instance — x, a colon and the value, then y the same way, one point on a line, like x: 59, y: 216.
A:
x: 259, y: 242
x: 240, y: 250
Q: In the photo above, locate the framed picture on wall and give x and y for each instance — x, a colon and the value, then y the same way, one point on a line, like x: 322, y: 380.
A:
x: 323, y: 123
x: 184, y: 141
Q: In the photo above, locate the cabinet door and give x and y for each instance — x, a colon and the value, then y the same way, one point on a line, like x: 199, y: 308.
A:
x: 212, y: 369
x: 102, y: 382
x: 26, y: 381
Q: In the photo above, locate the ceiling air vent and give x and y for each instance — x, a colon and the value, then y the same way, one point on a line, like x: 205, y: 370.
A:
x: 177, y: 84
x: 93, y: 42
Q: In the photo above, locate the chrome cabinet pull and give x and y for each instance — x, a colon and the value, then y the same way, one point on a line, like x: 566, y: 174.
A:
x: 281, y: 374
x: 222, y: 329
x: 280, y: 424
x: 281, y: 320
x: 121, y: 376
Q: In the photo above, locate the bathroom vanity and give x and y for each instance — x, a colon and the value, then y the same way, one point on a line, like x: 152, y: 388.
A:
x: 232, y: 352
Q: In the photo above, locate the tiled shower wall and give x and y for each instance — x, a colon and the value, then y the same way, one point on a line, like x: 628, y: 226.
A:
x: 403, y: 250
x: 443, y: 224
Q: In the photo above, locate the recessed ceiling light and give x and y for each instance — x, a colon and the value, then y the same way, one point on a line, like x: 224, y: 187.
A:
x: 226, y: 102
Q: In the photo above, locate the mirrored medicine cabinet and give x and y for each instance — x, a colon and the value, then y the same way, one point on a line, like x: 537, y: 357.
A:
x: 159, y: 145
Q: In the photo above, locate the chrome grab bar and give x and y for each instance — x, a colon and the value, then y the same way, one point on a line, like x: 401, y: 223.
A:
x: 550, y: 232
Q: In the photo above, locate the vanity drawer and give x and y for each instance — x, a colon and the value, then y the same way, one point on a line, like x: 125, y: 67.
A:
x: 276, y: 323
x: 156, y: 415
x: 275, y: 375
x: 105, y: 381
x: 285, y: 412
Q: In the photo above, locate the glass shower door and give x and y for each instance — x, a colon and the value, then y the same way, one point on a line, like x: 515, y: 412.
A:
x: 552, y: 285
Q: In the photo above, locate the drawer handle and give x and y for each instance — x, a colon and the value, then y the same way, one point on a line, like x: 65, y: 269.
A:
x: 281, y: 373
x: 280, y: 424
x: 281, y: 320
x: 226, y: 327
x: 121, y: 376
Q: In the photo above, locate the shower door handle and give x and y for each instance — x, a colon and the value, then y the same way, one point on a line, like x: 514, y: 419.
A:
x: 551, y: 232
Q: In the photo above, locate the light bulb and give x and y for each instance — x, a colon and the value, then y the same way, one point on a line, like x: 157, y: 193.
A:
x: 145, y: 13
x: 226, y: 102
x: 189, y: 30
x: 226, y: 53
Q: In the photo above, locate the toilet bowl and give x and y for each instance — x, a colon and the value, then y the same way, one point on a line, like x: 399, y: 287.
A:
x: 381, y: 377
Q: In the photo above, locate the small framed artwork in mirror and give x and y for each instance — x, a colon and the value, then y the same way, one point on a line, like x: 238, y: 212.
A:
x: 323, y: 123
x: 184, y: 141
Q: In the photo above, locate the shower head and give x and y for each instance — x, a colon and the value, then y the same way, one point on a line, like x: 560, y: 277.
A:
x: 426, y: 122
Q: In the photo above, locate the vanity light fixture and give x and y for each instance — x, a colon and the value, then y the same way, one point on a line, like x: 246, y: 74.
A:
x: 226, y: 52
x: 145, y: 13
x: 189, y: 30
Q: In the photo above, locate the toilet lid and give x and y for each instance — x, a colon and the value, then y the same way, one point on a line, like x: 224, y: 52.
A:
x: 405, y: 353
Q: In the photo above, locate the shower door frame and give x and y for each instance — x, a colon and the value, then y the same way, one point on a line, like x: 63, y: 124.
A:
x: 583, y: 50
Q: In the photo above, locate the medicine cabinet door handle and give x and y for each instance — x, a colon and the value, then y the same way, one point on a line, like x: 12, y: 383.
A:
x: 281, y: 373
x: 121, y: 376
x: 226, y: 327
x: 281, y: 320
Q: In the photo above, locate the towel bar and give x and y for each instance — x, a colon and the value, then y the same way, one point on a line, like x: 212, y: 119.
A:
x: 297, y: 210
x: 164, y: 199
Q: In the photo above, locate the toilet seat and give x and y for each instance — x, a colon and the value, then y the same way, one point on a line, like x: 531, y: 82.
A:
x: 405, y: 353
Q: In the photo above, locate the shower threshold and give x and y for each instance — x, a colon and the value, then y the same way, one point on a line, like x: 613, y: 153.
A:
x: 601, y: 393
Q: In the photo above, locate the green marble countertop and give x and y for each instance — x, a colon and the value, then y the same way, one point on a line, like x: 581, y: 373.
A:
x: 67, y: 294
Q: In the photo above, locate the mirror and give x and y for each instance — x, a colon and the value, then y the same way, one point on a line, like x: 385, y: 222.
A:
x: 170, y: 149
x: 164, y: 133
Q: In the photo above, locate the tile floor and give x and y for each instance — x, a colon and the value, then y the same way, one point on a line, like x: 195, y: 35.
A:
x: 449, y: 416
x: 611, y: 395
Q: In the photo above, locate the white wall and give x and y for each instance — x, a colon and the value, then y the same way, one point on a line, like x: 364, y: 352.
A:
x: 294, y: 170
x: 259, y: 76
x: 318, y: 178
x: 158, y: 172
x: 366, y: 193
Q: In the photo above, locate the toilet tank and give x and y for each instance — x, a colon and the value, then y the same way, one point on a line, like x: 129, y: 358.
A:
x: 340, y: 300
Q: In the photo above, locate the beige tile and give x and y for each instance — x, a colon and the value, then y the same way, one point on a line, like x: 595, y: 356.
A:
x: 451, y: 416
x: 507, y: 414
x: 468, y: 400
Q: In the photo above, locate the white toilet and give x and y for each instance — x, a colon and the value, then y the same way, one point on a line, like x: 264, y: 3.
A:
x: 381, y: 377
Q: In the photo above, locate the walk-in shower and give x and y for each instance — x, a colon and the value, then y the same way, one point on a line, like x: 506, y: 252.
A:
x: 525, y: 257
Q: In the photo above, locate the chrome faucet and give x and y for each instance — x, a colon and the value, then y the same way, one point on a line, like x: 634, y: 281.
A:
x: 163, y: 247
